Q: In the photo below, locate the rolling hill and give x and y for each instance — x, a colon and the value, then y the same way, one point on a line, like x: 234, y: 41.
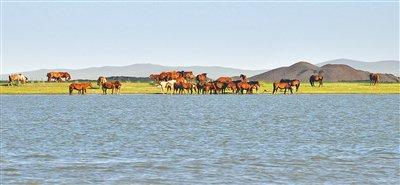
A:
x: 387, y: 66
x: 137, y: 70
x: 331, y: 73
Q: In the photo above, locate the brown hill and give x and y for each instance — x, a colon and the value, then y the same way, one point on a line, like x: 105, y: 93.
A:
x: 331, y: 73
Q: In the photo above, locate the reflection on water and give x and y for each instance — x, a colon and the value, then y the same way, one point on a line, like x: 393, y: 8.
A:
x: 200, y: 139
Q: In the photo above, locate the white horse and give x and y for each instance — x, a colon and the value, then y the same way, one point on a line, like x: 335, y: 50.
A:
x: 167, y: 84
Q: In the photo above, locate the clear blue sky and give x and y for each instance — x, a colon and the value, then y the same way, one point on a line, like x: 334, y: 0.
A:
x: 241, y: 35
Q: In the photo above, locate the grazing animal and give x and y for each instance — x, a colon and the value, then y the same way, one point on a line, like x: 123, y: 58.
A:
x: 58, y: 76
x: 155, y: 78
x: 373, y: 78
x: 243, y: 78
x: 316, y: 78
x: 20, y: 78
x: 293, y: 82
x: 188, y: 75
x: 220, y: 87
x: 101, y: 80
x: 233, y: 86
x: 201, y: 77
x: 80, y: 87
x: 244, y: 85
x: 165, y: 85
x: 254, y: 85
x: 224, y: 79
x: 180, y: 87
x: 113, y: 85
x: 282, y: 85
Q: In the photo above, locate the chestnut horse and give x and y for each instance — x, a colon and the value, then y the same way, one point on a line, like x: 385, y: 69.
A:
x: 254, y: 85
x: 155, y: 78
x: 114, y: 85
x: 182, y: 86
x: 224, y: 79
x: 80, y: 87
x: 373, y: 78
x: 316, y: 78
x: 201, y: 77
x: 244, y: 85
x: 58, y: 76
x: 233, y: 86
x: 220, y: 87
x: 281, y: 85
x: 293, y: 82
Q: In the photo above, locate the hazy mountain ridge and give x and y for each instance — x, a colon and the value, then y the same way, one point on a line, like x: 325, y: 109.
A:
x: 138, y: 70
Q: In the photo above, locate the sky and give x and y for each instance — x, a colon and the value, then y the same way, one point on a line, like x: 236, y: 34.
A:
x: 257, y: 35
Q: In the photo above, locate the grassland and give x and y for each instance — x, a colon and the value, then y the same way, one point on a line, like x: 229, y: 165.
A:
x: 148, y: 88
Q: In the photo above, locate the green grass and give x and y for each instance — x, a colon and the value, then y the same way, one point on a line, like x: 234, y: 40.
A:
x: 147, y: 88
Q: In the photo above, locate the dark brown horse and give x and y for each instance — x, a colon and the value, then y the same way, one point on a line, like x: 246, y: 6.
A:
x: 233, y: 86
x: 316, y: 78
x: 182, y: 86
x: 281, y: 85
x: 293, y: 82
x: 373, y: 78
x: 80, y: 87
x: 155, y: 78
x: 254, y: 85
x: 220, y: 87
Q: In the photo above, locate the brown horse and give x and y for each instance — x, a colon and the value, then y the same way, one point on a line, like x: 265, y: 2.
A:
x: 101, y: 80
x: 224, y: 79
x: 219, y: 87
x: 281, y: 85
x: 58, y: 76
x: 316, y: 78
x: 188, y: 75
x: 243, y: 78
x: 80, y: 87
x: 233, y: 86
x: 181, y: 87
x: 293, y: 82
x: 254, y: 85
x: 373, y: 78
x: 201, y: 77
x: 244, y: 85
x: 20, y: 78
x: 114, y: 85
x: 208, y: 87
x: 155, y: 78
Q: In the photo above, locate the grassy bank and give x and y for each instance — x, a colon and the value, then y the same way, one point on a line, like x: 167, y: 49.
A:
x: 147, y: 88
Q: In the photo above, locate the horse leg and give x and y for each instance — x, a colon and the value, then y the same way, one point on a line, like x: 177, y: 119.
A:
x: 291, y: 91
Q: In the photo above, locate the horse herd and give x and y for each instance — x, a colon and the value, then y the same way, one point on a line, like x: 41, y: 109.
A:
x: 179, y: 82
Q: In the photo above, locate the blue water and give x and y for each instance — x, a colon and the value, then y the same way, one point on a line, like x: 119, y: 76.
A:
x: 221, y: 139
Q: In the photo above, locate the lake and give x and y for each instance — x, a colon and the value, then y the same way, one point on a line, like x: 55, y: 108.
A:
x: 220, y: 139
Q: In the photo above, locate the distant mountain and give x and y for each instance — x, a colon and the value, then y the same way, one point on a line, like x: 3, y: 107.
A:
x: 138, y: 70
x: 387, y: 66
x: 331, y: 73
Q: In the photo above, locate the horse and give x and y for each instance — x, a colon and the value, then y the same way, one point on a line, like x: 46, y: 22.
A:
x: 316, y: 78
x: 244, y: 85
x: 58, y: 76
x: 293, y: 82
x: 373, y: 78
x: 155, y: 78
x: 20, y: 78
x: 165, y: 85
x: 180, y: 87
x: 282, y: 85
x: 233, y: 86
x: 201, y: 77
x: 80, y: 87
x: 188, y: 75
x: 114, y: 85
x: 101, y: 80
x: 208, y: 87
x: 254, y: 85
x: 219, y: 87
x: 243, y: 78
x: 224, y: 79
